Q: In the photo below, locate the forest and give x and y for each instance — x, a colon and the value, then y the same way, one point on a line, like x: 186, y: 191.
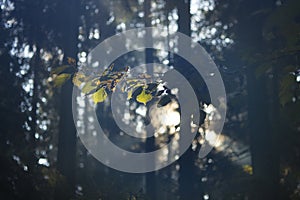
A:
x: 79, y: 98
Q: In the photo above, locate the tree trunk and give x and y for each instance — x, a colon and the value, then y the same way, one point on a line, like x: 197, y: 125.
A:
x: 150, y: 142
x: 66, y: 155
x: 187, y: 170
x: 263, y: 150
x: 263, y: 142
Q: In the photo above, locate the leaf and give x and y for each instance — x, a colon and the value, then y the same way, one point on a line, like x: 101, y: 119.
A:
x: 71, y: 61
x: 108, y: 70
x: 144, y: 76
x: 137, y: 91
x: 285, y: 98
x: 90, y: 86
x: 164, y: 100
x: 160, y: 92
x: 260, y: 70
x: 151, y: 87
x: 144, y: 97
x: 129, y: 94
x: 78, y: 79
x: 58, y: 70
x: 135, y: 85
x: 99, y: 96
x: 281, y: 23
x: 61, y: 79
x: 134, y: 90
x: 285, y: 91
x: 248, y: 169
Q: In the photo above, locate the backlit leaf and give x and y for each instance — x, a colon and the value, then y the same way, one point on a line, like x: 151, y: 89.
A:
x: 61, y: 79
x: 90, y: 86
x: 99, y: 96
x: 59, y: 70
x: 78, y: 79
x: 248, y: 169
x: 129, y: 94
x: 144, y: 97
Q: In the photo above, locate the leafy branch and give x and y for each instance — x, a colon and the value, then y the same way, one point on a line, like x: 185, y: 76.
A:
x: 98, y: 85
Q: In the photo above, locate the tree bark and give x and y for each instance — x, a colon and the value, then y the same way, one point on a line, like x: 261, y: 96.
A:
x: 66, y: 155
x: 150, y: 142
x: 187, y: 170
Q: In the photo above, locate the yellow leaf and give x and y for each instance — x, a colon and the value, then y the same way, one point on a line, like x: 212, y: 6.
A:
x: 129, y: 94
x: 99, y: 96
x: 61, y: 79
x: 78, y: 79
x: 144, y: 97
x: 98, y: 82
x: 248, y: 169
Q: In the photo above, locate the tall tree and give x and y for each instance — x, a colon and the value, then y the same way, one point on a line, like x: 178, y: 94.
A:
x: 66, y: 157
x: 187, y: 161
x: 150, y: 142
x: 265, y: 158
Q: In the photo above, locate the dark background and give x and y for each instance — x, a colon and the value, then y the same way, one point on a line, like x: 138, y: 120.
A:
x: 256, y: 46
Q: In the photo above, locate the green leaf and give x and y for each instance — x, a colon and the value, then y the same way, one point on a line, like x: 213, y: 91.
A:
x: 99, y: 96
x: 144, y: 97
x: 90, y: 86
x: 248, y: 169
x: 78, y: 79
x: 61, y: 79
x: 262, y: 69
x: 58, y: 70
x: 285, y: 90
x: 281, y: 23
